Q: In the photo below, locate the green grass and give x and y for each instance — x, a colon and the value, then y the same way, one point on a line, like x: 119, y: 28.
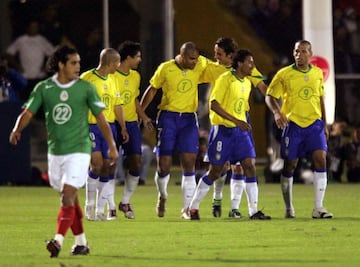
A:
x: 28, y: 218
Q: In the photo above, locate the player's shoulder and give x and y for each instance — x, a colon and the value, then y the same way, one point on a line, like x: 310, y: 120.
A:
x: 134, y: 73
x: 315, y: 68
x: 86, y: 74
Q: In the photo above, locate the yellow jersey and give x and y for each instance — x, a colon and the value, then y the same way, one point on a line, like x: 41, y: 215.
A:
x: 232, y: 93
x: 179, y: 86
x: 106, y: 89
x: 300, y: 92
x: 128, y: 85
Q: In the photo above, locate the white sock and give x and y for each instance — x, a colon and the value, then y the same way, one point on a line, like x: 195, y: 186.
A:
x: 200, y: 192
x: 287, y: 191
x: 320, y: 183
x: 101, y: 197
x: 59, y: 238
x: 161, y: 185
x: 80, y: 240
x: 252, y: 193
x: 109, y: 192
x: 237, y: 187
x: 131, y: 183
x: 90, y: 194
x: 188, y: 185
x: 219, y: 187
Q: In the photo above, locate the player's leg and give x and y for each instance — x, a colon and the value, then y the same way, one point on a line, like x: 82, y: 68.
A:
x: 202, y: 188
x: 187, y: 144
x: 317, y: 141
x: 132, y: 150
x: 237, y: 187
x: 218, y: 191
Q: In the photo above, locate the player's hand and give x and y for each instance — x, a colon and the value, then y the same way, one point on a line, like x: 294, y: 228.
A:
x: 113, y: 155
x: 280, y: 120
x: 148, y: 125
x: 125, y: 135
x: 243, y: 125
x: 14, y: 138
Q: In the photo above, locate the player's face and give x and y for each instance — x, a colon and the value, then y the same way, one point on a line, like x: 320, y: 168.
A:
x: 302, y: 55
x: 190, y: 59
x: 221, y: 57
x: 71, y: 69
x: 247, y: 66
x: 135, y: 61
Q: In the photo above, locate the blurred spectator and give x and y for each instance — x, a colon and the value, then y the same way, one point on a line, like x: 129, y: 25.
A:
x: 286, y: 27
x: 352, y: 153
x: 351, y: 23
x: 260, y: 19
x: 335, y: 155
x: 11, y: 83
x: 90, y: 49
x: 342, y: 57
x: 52, y: 27
x: 28, y: 55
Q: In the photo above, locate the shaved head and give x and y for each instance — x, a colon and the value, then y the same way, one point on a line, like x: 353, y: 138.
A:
x: 187, y: 48
x: 108, y: 55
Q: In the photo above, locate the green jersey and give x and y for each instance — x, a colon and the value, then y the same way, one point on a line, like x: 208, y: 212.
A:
x: 66, y: 109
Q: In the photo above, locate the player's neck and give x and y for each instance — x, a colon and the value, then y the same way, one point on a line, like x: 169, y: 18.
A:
x: 303, y: 68
x: 124, y: 68
x: 101, y: 71
x: 179, y: 62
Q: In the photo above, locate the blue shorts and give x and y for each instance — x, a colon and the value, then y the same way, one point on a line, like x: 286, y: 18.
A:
x: 297, y: 142
x: 133, y: 146
x: 177, y: 131
x: 98, y: 141
x: 229, y: 144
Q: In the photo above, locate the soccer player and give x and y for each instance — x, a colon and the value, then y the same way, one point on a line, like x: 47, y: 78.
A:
x: 177, y: 127
x: 100, y: 179
x: 128, y: 83
x: 66, y: 100
x: 224, y: 49
x: 303, y: 120
x: 230, y: 135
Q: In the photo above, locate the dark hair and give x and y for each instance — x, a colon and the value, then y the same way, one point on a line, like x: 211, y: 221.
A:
x: 128, y: 48
x: 61, y: 54
x: 227, y: 44
x: 240, y: 56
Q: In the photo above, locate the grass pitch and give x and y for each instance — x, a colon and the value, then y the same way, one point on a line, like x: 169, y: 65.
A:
x: 28, y: 218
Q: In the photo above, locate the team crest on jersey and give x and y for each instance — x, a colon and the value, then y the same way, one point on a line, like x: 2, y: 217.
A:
x: 217, y: 156
x: 126, y: 82
x: 183, y: 73
x: 64, y: 96
x: 105, y: 86
x: 306, y: 78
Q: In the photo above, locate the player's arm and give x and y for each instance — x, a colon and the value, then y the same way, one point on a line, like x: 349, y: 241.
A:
x: 143, y: 117
x: 262, y: 87
x: 21, y: 122
x: 280, y: 119
x: 119, y: 114
x: 106, y: 131
x: 216, y: 107
x: 147, y: 97
x: 323, y: 115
